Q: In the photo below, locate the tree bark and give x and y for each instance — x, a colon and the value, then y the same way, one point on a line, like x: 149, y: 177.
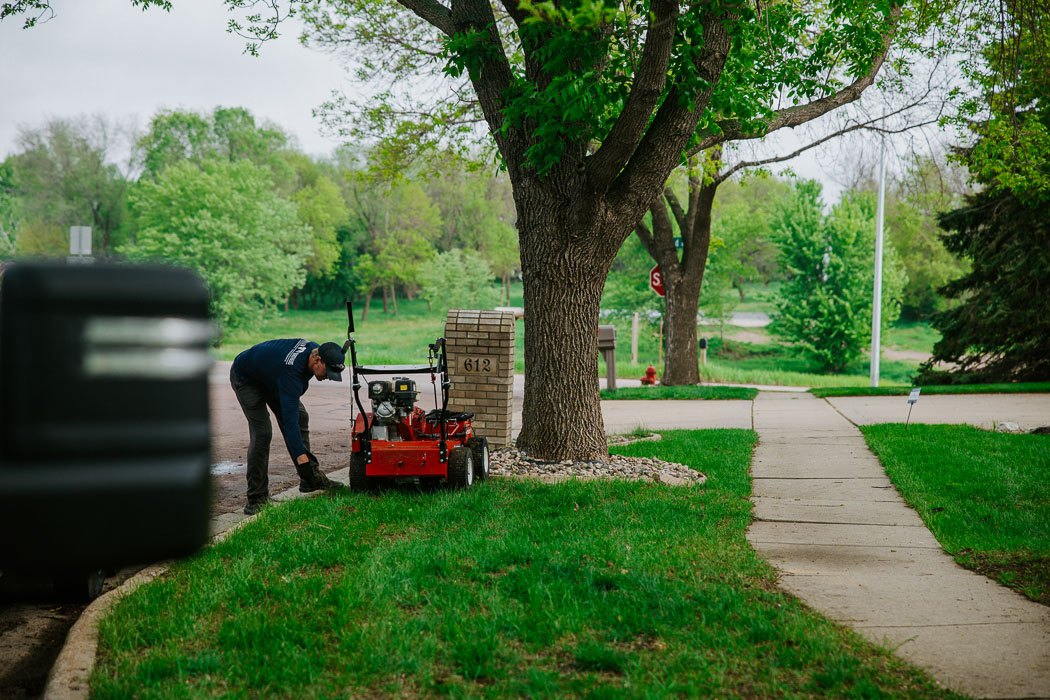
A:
x: 368, y: 302
x: 683, y: 278
x: 682, y: 362
x: 564, y: 266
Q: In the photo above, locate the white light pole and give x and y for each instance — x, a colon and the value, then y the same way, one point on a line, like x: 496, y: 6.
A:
x: 876, y: 302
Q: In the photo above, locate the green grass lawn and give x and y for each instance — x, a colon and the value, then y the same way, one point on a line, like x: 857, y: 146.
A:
x: 511, y: 589
x: 757, y: 297
x: 917, y: 336
x: 680, y: 392
x: 385, y: 338
x: 1018, y: 388
x: 769, y: 363
x: 984, y: 495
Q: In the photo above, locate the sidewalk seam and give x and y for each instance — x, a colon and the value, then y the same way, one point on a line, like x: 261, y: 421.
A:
x: 850, y: 420
x: 952, y: 624
x: 828, y: 522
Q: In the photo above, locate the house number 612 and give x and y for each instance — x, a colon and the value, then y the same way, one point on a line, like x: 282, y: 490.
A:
x: 477, y: 364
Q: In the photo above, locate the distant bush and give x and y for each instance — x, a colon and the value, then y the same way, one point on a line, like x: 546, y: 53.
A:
x: 458, y: 279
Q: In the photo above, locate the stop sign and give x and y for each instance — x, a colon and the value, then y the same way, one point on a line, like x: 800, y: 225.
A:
x: 656, y: 280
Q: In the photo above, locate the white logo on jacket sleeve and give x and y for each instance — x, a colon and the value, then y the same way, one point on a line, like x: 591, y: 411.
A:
x: 300, y: 345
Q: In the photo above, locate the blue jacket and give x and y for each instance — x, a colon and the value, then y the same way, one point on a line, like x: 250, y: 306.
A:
x: 280, y: 366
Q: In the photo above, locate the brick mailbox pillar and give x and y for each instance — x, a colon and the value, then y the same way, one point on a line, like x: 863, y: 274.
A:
x: 480, y: 347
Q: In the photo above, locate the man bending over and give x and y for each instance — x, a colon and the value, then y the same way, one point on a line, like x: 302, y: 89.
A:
x: 276, y: 373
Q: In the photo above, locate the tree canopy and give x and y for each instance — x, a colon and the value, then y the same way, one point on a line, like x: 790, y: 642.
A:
x: 224, y: 220
x: 590, y: 107
x: 1000, y: 328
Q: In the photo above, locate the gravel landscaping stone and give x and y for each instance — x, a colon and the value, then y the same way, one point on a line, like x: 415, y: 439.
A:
x: 512, y: 462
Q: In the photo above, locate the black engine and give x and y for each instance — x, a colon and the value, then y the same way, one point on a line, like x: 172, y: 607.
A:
x: 392, y: 401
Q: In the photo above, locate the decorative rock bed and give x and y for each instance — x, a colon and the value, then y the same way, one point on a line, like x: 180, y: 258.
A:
x: 513, y: 463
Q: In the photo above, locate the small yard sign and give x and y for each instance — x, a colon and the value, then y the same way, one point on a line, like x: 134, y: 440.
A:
x: 912, y: 398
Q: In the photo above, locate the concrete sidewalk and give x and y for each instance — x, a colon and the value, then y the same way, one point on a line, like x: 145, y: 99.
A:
x: 982, y: 410
x: 829, y: 519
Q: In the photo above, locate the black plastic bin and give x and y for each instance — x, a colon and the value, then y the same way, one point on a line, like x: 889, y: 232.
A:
x: 104, y: 421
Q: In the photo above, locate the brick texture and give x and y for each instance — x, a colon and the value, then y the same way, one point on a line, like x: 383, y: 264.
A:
x: 480, y: 346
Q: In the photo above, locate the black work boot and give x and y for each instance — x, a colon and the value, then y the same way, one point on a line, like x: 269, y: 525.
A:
x: 311, y: 479
x: 254, y: 506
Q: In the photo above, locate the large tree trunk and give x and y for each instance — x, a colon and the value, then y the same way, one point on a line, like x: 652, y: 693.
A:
x: 682, y: 365
x: 566, y: 255
x: 561, y: 416
x: 573, y: 217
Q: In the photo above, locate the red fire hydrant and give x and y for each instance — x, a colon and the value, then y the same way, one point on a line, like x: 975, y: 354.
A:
x: 650, y: 375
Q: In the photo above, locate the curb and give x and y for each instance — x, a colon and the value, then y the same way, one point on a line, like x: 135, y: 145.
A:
x: 70, y: 674
x: 68, y: 678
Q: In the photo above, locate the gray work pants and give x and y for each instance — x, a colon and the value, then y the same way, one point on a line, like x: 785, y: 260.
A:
x: 254, y: 401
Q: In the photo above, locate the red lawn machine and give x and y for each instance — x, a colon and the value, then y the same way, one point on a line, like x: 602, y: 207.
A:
x: 398, y: 442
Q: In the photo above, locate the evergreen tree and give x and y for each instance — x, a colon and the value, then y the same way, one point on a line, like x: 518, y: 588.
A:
x: 1001, y: 329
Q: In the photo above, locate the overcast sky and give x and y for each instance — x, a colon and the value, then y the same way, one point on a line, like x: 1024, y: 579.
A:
x: 106, y: 57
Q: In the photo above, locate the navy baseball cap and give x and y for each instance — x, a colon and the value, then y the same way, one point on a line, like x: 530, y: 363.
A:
x: 334, y: 360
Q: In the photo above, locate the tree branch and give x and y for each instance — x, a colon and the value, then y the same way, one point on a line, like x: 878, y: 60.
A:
x: 649, y: 83
x: 494, y: 77
x: 512, y: 7
x: 663, y: 232
x: 733, y: 129
x: 674, y: 124
x: 432, y: 12
x: 646, y: 237
x: 868, y: 125
x: 676, y: 208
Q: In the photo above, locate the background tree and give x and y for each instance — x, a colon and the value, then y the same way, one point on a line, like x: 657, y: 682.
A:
x: 64, y: 174
x: 1000, y: 329
x: 232, y: 134
x: 477, y: 212
x: 322, y: 208
x: 458, y: 279
x: 224, y: 220
x: 8, y: 211
x: 824, y: 304
x: 928, y: 188
x: 742, y: 220
x: 398, y: 225
x: 227, y: 133
x: 591, y: 107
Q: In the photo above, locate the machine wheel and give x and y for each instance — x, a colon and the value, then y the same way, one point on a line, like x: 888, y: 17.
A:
x: 80, y: 586
x: 479, y: 449
x: 460, y: 468
x: 359, y: 481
